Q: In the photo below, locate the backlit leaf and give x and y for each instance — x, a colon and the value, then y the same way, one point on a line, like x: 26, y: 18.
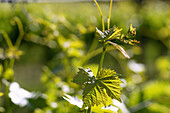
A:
x: 101, y: 89
x: 110, y: 80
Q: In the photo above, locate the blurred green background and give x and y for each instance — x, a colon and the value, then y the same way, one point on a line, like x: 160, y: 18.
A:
x: 60, y: 37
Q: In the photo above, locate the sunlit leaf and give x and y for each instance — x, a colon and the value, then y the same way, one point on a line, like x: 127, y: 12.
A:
x: 95, y: 95
x: 99, y: 90
x: 110, y: 80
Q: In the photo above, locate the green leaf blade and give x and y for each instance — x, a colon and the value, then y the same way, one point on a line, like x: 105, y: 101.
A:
x: 112, y: 91
x: 82, y: 77
x: 99, y: 90
x: 95, y: 95
x: 109, y: 80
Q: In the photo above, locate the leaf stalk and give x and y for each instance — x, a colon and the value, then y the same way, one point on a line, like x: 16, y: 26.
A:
x: 7, y: 39
x: 21, y: 32
x: 100, y: 14
x: 109, y: 14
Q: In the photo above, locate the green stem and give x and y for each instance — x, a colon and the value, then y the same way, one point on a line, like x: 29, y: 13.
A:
x: 7, y: 101
x: 92, y: 54
x: 11, y: 63
x: 102, y: 58
x: 7, y: 39
x: 21, y: 32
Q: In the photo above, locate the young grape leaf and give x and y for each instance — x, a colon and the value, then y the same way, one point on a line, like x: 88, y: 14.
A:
x: 115, y: 34
x: 132, y: 31
x: 112, y: 33
x: 101, y: 89
x: 100, y: 35
x: 120, y: 49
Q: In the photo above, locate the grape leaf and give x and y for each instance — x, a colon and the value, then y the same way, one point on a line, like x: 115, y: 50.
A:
x: 132, y: 31
x: 83, y: 76
x: 103, y: 109
x: 110, y: 80
x: 112, y: 33
x: 94, y: 95
x: 101, y: 89
x: 120, y: 49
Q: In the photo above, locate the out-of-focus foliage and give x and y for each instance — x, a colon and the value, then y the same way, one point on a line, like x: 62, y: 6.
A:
x: 58, y: 38
x: 1, y: 94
